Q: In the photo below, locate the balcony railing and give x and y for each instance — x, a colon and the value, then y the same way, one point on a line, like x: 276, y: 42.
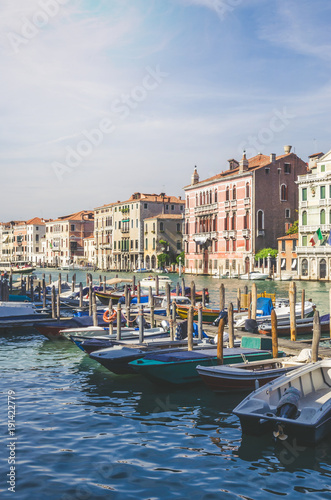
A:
x: 312, y: 229
x: 247, y: 201
x: 233, y: 203
x: 246, y: 233
x: 260, y: 232
x: 206, y: 209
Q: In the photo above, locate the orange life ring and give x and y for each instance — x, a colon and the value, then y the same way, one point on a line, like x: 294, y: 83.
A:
x: 107, y: 317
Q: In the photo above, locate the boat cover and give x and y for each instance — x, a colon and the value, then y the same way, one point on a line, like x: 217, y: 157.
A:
x: 264, y: 304
x: 198, y: 354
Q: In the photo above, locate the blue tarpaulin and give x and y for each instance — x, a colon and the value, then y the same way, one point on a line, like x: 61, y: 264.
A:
x: 265, y: 305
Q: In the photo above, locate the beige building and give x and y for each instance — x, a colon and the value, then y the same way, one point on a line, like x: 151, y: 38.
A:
x: 128, y: 241
x: 103, y: 235
x: 163, y: 235
x: 35, y: 230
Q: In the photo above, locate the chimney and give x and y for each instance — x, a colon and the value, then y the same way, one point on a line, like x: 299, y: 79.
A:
x: 243, y: 164
x: 287, y: 149
x: 272, y: 157
x: 195, y: 177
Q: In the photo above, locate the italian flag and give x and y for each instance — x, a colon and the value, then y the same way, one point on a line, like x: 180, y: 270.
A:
x: 317, y: 236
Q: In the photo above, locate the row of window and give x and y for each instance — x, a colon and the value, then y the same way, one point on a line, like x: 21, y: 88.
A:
x: 322, y: 192
x: 304, y: 217
x: 58, y: 228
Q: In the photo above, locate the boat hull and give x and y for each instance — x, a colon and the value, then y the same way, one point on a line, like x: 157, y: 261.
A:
x: 183, y: 371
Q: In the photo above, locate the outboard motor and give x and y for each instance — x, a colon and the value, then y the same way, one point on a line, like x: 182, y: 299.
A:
x: 251, y: 326
x: 165, y: 325
x: 287, y: 408
x: 222, y: 315
x: 181, y: 330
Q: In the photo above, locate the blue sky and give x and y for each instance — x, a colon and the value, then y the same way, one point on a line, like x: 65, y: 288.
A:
x: 103, y: 98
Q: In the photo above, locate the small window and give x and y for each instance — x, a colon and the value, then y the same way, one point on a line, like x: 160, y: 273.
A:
x: 287, y: 168
x: 172, y: 207
x: 178, y: 228
x: 267, y: 170
x: 322, y: 168
x: 146, y: 244
x: 322, y: 217
x: 294, y: 245
x: 304, y: 241
x: 167, y: 207
x: 322, y: 192
x: 161, y: 226
x: 145, y: 205
x: 283, y: 245
x: 114, y: 245
x: 287, y: 213
x: 304, y: 218
x: 72, y: 227
x: 304, y: 194
x: 283, y: 192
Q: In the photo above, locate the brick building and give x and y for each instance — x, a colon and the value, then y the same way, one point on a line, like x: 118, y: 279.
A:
x: 232, y: 215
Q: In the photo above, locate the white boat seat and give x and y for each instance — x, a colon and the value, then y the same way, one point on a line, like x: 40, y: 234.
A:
x: 307, y: 413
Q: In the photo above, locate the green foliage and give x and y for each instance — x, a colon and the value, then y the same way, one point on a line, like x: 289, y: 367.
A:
x: 182, y: 256
x: 294, y: 228
x: 263, y: 254
x: 162, y: 259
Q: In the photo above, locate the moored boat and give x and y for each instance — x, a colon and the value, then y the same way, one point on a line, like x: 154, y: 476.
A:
x: 179, y: 367
x: 297, y: 404
x: 304, y: 326
x: 250, y: 375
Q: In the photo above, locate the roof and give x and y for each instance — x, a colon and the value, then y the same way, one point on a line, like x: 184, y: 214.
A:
x: 160, y: 198
x: 166, y: 216
x: 35, y: 221
x: 75, y: 216
x: 289, y: 237
x: 316, y: 154
x: 254, y: 163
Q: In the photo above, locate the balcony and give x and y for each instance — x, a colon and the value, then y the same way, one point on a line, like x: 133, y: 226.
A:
x: 246, y: 233
x: 233, y: 203
x: 125, y: 230
x: 232, y: 233
x: 325, y: 228
x: 303, y: 204
x: 227, y: 204
x: 225, y: 234
x: 260, y: 232
x: 316, y: 250
x: 211, y: 208
x: 247, y: 201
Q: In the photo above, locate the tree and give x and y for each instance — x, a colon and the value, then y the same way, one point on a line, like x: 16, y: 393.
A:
x: 263, y: 254
x: 294, y: 228
x: 182, y: 256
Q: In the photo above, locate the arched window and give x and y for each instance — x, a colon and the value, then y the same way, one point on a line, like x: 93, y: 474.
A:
x: 322, y: 268
x: 204, y: 198
x: 260, y: 220
x: 215, y: 195
x: 200, y: 198
x: 227, y: 193
x: 246, y: 220
x: 210, y: 197
x: 304, y: 218
x: 234, y: 193
x: 322, y: 217
x: 283, y: 192
x: 234, y: 221
x: 304, y: 267
x: 247, y: 190
x: 226, y: 222
x: 234, y: 245
x: 196, y: 199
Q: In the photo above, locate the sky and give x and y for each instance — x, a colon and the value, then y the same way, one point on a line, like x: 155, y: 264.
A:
x: 103, y: 98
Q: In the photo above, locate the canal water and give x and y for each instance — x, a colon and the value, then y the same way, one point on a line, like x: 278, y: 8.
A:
x: 83, y: 433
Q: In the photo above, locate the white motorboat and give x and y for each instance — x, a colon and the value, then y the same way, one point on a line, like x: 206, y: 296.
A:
x: 282, y: 310
x: 150, y: 281
x: 297, y: 404
x: 256, y: 275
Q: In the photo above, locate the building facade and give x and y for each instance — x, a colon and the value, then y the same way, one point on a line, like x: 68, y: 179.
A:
x: 35, y: 230
x: 314, y: 261
x: 163, y: 235
x: 128, y: 226
x: 103, y: 236
x: 65, y: 238
x: 231, y: 216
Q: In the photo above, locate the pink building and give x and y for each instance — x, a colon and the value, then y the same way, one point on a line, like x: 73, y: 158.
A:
x: 232, y: 215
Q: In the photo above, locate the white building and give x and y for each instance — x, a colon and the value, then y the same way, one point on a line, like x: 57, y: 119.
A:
x: 35, y: 229
x: 315, y: 214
